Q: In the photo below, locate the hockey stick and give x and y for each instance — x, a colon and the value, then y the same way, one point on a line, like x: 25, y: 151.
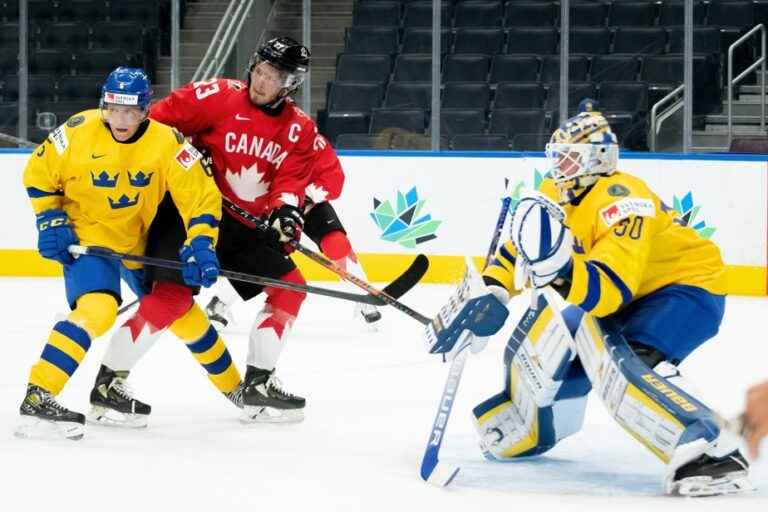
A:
x: 127, y: 306
x: 398, y: 287
x: 382, y: 295
x: 432, y: 469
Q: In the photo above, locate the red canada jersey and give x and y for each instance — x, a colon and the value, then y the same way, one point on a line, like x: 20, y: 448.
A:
x: 260, y: 160
x: 327, y: 178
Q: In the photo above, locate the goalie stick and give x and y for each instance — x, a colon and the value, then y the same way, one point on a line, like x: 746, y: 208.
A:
x: 433, y: 470
x: 396, y: 288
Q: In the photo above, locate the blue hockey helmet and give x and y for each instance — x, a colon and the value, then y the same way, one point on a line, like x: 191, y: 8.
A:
x: 127, y: 86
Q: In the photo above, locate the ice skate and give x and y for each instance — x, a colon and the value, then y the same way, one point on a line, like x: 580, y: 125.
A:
x: 218, y: 313
x: 265, y: 401
x: 113, y: 402
x: 43, y: 417
x: 711, y: 476
x: 236, y: 396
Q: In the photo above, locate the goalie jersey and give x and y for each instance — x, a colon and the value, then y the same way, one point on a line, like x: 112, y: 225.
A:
x: 111, y: 190
x: 627, y: 244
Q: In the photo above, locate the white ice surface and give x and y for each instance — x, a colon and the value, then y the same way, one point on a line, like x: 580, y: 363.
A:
x: 371, y: 401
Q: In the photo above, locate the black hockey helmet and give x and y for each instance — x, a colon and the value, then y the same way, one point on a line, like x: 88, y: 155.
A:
x: 287, y: 56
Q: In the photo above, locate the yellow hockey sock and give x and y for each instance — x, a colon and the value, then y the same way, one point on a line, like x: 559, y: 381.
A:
x: 207, y: 347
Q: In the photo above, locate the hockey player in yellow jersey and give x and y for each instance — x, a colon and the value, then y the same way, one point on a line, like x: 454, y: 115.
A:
x: 623, y: 292
x: 97, y: 180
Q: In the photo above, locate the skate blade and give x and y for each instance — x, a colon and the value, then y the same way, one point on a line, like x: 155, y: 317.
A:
x: 253, y: 414
x: 701, y: 486
x: 31, y: 427
x: 115, y: 419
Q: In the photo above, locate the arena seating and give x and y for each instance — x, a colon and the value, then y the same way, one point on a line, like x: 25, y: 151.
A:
x: 500, y: 67
x: 73, y: 44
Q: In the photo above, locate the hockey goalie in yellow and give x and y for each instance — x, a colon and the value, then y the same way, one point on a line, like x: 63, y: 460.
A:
x: 97, y: 181
x: 641, y: 291
x: 626, y: 244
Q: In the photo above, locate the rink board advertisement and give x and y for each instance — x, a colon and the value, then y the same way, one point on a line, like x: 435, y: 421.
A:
x: 396, y: 205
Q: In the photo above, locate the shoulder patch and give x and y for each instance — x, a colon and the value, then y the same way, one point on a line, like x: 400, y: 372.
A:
x: 623, y: 208
x: 187, y: 156
x: 75, y: 120
x: 59, y: 139
x: 179, y: 136
x: 618, y: 190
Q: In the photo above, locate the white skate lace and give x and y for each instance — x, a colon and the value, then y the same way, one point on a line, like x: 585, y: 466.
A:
x: 236, y: 396
x: 121, y: 387
x: 275, y: 384
x: 49, y: 400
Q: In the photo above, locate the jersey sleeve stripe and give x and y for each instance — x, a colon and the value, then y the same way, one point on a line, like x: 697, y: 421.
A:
x: 206, y: 218
x: 593, y: 288
x: 36, y: 193
x: 626, y: 294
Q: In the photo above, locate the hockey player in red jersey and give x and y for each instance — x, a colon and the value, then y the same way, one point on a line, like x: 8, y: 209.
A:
x: 261, y: 146
x: 321, y: 224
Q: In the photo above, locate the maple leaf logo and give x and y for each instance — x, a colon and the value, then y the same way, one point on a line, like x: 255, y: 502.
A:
x: 247, y: 185
x: 288, y: 198
x: 316, y: 193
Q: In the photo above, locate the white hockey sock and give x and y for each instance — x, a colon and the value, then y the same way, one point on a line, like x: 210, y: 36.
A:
x: 267, y: 339
x: 129, y: 343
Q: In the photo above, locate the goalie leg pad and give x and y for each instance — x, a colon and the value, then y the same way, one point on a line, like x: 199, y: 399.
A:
x: 653, y: 410
x: 545, y: 392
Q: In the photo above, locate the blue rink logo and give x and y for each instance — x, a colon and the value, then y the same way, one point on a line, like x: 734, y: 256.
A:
x: 405, y: 223
x: 689, y: 212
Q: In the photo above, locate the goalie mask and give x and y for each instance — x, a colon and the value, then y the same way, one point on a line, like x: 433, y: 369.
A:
x: 582, y: 149
x: 285, y: 54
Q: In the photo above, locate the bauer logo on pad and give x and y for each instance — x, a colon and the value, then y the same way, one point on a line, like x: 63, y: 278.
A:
x: 623, y: 208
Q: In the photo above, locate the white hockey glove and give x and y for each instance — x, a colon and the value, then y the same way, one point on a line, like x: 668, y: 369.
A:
x: 471, y: 315
x: 544, y: 243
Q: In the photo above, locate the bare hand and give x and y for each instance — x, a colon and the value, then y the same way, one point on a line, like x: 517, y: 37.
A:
x: 756, y: 417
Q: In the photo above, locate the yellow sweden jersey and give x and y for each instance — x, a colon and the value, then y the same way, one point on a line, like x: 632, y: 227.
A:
x: 111, y: 190
x: 627, y: 244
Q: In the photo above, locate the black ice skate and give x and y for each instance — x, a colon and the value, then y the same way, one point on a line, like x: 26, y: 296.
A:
x: 236, y: 396
x: 265, y: 401
x: 43, y: 417
x: 113, y: 402
x: 711, y: 476
x: 218, y: 312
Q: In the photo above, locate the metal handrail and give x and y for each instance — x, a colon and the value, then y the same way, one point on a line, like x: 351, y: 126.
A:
x: 655, y: 127
x: 733, y: 81
x: 223, y: 40
x: 213, y: 46
x: 233, y: 39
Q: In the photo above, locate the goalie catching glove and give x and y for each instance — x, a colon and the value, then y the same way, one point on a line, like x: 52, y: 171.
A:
x: 544, y: 243
x: 471, y: 315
